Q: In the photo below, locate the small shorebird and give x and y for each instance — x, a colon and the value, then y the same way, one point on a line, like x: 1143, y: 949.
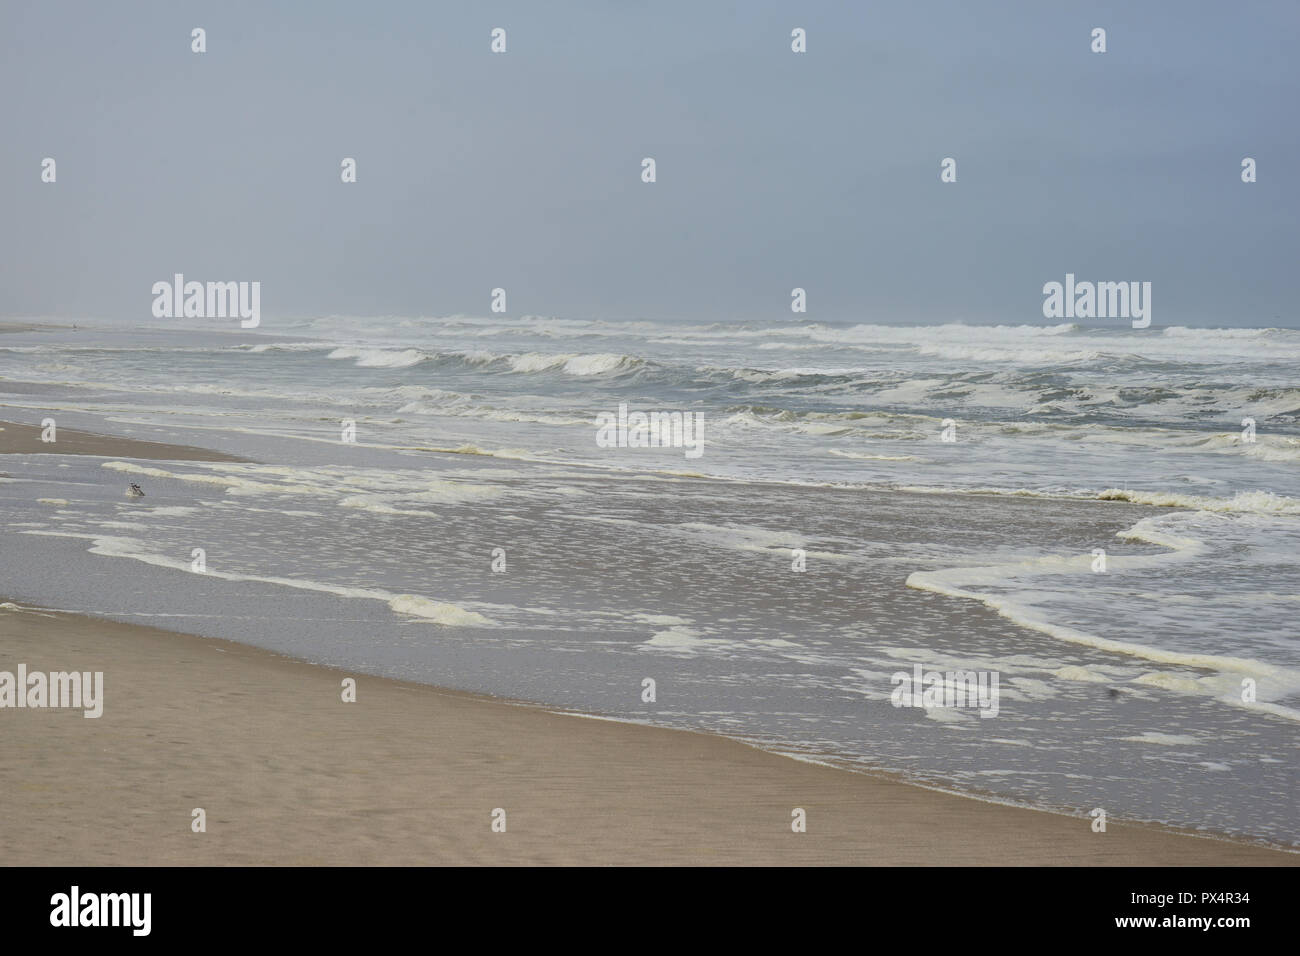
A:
x: 135, y: 491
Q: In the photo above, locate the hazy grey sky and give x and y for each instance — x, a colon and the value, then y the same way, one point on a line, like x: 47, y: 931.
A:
x: 775, y: 169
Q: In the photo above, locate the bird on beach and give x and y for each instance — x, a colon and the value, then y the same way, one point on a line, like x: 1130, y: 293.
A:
x: 135, y: 491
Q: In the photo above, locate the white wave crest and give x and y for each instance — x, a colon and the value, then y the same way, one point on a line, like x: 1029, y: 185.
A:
x: 580, y: 365
x: 380, y: 358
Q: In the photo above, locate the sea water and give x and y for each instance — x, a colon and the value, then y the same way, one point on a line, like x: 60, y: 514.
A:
x: 869, y: 498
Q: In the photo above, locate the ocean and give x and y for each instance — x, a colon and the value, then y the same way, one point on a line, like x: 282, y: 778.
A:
x: 1106, y: 519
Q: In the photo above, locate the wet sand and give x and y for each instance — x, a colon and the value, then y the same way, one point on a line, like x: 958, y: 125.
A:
x: 21, y: 439
x: 26, y: 327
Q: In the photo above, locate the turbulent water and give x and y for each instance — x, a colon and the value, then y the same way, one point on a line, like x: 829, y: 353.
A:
x: 946, y: 487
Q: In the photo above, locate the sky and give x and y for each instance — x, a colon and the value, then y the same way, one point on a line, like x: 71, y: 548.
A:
x: 774, y: 170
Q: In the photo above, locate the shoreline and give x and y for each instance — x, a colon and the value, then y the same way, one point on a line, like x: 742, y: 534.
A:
x: 288, y: 773
x: 10, y: 326
x: 413, y: 777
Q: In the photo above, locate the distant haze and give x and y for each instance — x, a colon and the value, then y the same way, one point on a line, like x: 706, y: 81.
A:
x: 775, y: 169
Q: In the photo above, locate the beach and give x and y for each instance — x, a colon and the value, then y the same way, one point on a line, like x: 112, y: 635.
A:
x: 289, y: 774
x: 751, y: 436
x: 641, y: 657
